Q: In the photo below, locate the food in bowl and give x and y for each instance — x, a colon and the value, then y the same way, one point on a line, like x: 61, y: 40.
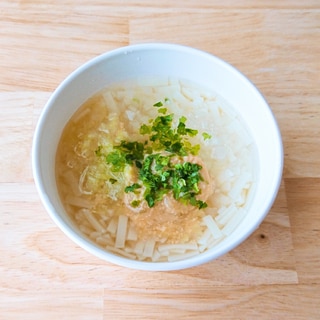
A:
x: 237, y: 117
x: 157, y: 169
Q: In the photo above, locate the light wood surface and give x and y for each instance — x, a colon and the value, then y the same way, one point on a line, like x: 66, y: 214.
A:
x: 275, y: 274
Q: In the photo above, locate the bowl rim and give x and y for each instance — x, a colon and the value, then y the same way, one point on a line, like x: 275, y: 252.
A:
x: 88, y: 245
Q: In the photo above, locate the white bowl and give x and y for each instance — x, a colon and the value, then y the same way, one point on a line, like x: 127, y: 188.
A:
x: 159, y: 60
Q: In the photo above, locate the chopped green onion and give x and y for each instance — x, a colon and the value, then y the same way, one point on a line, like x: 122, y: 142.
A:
x: 156, y: 172
x: 206, y: 136
x: 158, y: 104
x: 132, y: 188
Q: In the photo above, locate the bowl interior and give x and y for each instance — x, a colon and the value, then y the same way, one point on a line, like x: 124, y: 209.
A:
x: 160, y: 60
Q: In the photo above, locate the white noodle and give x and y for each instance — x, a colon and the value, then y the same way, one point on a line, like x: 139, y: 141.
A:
x: 212, y: 242
x: 156, y: 255
x: 121, y: 231
x: 92, y: 220
x: 184, y: 246
x: 132, y: 234
x: 139, y: 247
x: 233, y: 223
x: 205, y: 237
x: 94, y: 235
x: 112, y: 227
x: 239, y: 185
x: 104, y: 241
x: 226, y: 214
x: 128, y: 249
x: 178, y: 251
x: 148, y: 248
x: 182, y: 256
x: 212, y: 226
x: 81, y: 181
x: 86, y: 230
x: 121, y: 252
x: 165, y: 253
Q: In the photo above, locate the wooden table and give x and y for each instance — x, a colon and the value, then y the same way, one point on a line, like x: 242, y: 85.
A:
x: 275, y: 274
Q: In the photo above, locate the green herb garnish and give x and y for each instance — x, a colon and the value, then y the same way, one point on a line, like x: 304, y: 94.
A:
x: 158, y: 104
x: 132, y: 188
x: 164, y: 136
x: 153, y: 160
x: 135, y: 203
x: 206, y: 136
x: 117, y: 159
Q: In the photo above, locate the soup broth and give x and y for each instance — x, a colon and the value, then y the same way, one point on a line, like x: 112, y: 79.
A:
x: 156, y: 170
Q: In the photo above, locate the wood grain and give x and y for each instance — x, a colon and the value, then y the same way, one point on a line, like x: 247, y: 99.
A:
x: 48, y: 42
x: 274, y: 274
x: 239, y: 302
x: 304, y: 203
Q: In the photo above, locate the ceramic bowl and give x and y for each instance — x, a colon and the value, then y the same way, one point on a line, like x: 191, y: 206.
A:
x: 161, y: 60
